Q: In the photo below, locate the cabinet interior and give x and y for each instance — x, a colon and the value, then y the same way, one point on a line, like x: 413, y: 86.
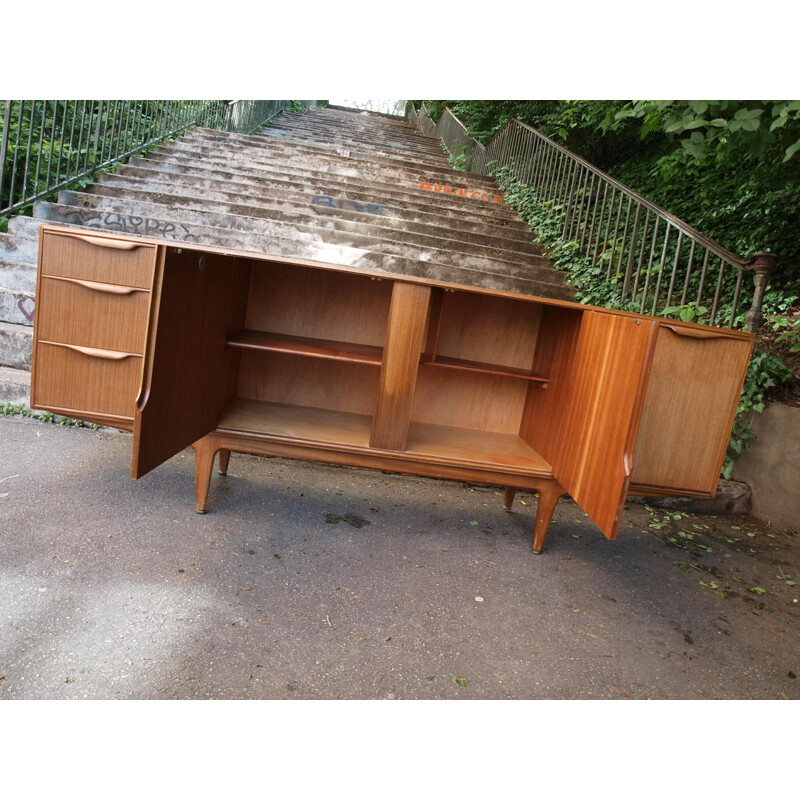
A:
x: 309, y: 348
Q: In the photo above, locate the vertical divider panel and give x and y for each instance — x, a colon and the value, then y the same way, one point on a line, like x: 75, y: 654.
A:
x: 405, y: 337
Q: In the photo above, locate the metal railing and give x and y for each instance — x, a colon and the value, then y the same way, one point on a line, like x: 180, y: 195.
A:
x: 48, y: 145
x: 653, y: 260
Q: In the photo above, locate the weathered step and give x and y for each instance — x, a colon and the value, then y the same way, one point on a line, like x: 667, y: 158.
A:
x: 359, y: 147
x: 264, y: 202
x: 322, y: 159
x: 414, y: 146
x: 23, y: 227
x: 171, y: 187
x: 313, y: 249
x: 15, y: 386
x: 331, y: 124
x: 17, y: 275
x: 16, y: 345
x: 367, y: 231
x: 283, y: 146
x: 342, y: 168
x: 246, y: 217
x: 14, y: 248
x: 436, y: 249
x: 16, y: 306
x: 407, y: 194
x: 278, y: 193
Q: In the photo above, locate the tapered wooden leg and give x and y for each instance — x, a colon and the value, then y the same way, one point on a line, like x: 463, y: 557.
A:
x: 548, y: 497
x: 508, y: 497
x: 204, y: 452
x: 224, y: 458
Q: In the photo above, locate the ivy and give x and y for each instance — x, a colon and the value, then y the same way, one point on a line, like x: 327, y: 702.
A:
x: 766, y: 370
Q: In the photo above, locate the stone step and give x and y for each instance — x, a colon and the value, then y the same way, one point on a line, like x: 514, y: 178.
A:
x: 408, y: 176
x: 172, y: 208
x: 407, y: 247
x: 24, y: 227
x: 15, y: 387
x: 17, y: 249
x: 16, y: 306
x: 16, y: 345
x: 265, y: 200
x: 392, y: 147
x: 193, y: 210
x: 406, y: 195
x: 279, y: 193
x: 19, y: 276
x: 170, y: 188
x: 327, y: 125
x: 490, y: 275
x: 277, y: 142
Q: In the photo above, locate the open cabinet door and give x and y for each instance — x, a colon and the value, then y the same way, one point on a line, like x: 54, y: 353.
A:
x: 692, y: 397
x: 603, y: 399
x: 190, y: 374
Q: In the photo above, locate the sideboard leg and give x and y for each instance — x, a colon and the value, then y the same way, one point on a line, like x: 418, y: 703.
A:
x: 224, y: 458
x: 508, y: 497
x: 204, y: 452
x: 548, y: 497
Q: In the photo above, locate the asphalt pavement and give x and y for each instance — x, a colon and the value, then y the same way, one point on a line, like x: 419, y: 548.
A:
x: 319, y: 582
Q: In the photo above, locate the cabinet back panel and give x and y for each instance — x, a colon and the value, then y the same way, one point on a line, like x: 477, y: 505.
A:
x: 468, y: 400
x: 312, y: 382
x: 488, y: 329
x: 300, y: 301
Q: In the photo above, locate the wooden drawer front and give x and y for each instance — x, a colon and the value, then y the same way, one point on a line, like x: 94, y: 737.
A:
x: 92, y: 381
x: 96, y: 258
x: 92, y: 314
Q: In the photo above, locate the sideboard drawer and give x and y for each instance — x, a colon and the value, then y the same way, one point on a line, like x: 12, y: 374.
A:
x: 86, y: 380
x: 98, y: 258
x: 92, y: 314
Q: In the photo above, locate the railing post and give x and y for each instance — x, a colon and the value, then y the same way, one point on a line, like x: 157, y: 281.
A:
x: 762, y: 265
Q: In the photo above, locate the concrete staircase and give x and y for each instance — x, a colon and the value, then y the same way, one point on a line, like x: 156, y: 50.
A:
x: 334, y: 185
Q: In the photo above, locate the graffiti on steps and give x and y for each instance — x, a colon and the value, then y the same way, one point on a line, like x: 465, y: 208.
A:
x: 23, y: 304
x: 460, y: 192
x: 346, y: 204
x: 127, y: 223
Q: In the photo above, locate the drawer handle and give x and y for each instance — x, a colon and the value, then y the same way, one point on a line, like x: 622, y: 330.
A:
x: 94, y: 352
x: 111, y: 244
x: 695, y: 333
x: 109, y: 288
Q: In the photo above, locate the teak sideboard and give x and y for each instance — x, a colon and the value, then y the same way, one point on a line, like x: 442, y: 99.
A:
x: 227, y: 351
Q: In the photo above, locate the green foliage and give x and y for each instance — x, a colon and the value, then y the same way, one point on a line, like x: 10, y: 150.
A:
x: 12, y: 410
x: 729, y: 168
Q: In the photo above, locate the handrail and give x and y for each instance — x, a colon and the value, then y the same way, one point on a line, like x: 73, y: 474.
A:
x: 48, y: 145
x: 613, y: 223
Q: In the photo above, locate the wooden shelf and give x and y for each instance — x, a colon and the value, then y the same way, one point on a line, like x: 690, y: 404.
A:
x: 301, y: 423
x: 474, y: 448
x: 306, y: 346
x: 477, y: 366
x: 427, y: 442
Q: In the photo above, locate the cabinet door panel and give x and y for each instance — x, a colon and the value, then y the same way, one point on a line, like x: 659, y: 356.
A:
x: 604, y: 399
x: 189, y: 372
x: 692, y: 395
